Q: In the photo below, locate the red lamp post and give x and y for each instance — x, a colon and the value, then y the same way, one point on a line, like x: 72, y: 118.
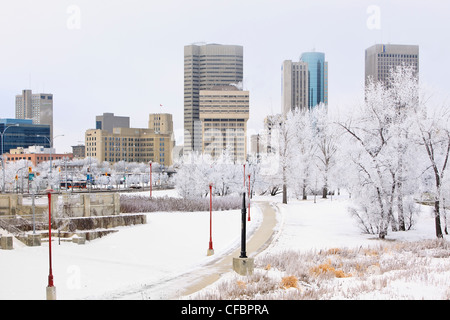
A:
x: 150, y: 179
x: 51, y: 290
x: 248, y: 197
x: 210, y: 249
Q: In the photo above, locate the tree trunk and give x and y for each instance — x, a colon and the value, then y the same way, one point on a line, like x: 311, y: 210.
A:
x: 437, y: 220
x: 401, y: 218
x: 284, y: 193
x: 324, y: 192
x: 383, y: 217
x: 391, y: 217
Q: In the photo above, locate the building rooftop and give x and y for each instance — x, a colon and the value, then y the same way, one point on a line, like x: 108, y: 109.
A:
x: 15, y: 121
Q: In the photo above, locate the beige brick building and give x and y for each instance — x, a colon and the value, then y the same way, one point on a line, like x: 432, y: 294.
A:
x: 130, y: 145
x: 224, y: 112
x: 161, y: 123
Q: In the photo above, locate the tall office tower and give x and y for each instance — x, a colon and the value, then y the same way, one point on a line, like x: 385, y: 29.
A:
x: 108, y: 121
x: 206, y: 66
x: 224, y: 112
x: 317, y: 77
x: 294, y: 85
x: 381, y: 58
x: 37, y: 107
x: 304, y: 83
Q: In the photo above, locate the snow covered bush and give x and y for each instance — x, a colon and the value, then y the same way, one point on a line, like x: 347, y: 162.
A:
x: 136, y: 204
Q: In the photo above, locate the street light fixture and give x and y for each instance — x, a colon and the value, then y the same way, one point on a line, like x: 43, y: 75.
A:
x: 51, y: 290
x: 150, y: 179
x: 210, y: 249
x: 249, y: 197
x: 244, y: 175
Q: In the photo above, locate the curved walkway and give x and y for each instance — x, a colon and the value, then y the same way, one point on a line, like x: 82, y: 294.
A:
x: 189, y: 282
x: 259, y: 241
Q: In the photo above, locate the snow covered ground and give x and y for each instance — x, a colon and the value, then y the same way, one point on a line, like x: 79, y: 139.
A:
x: 121, y: 265
x: 117, y: 265
x: 315, y: 231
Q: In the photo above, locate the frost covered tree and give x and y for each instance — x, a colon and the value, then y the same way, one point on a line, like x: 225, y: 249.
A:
x: 325, y: 139
x: 285, y: 149
x: 379, y: 137
x: 192, y: 178
x: 197, y: 171
x: 304, y: 151
x: 434, y: 136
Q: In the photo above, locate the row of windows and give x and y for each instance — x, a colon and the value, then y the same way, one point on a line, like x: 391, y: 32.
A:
x: 396, y: 55
x: 16, y: 158
x: 222, y: 98
x: 125, y: 156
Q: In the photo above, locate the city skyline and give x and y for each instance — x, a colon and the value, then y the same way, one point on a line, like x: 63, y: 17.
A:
x: 127, y: 58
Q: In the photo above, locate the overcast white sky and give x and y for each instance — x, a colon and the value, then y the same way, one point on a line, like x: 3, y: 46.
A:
x: 126, y: 57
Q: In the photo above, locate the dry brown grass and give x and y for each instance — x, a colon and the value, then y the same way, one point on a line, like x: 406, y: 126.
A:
x: 289, y: 282
x: 363, y: 272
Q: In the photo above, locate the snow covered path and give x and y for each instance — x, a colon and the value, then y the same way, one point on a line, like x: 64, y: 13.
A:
x: 175, y: 286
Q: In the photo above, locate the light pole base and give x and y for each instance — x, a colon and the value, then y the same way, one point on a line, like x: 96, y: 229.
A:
x: 210, y: 252
x: 34, y: 240
x: 51, y: 293
x: 243, y: 266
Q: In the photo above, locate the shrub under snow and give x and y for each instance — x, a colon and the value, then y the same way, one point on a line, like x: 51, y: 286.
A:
x: 133, y: 204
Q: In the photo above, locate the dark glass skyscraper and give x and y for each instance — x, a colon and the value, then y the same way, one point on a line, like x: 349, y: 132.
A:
x: 23, y: 133
x: 318, y: 77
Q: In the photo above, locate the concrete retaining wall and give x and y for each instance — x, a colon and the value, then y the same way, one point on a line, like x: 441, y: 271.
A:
x: 91, y: 215
x: 103, y: 222
x: 65, y: 205
x: 89, y: 205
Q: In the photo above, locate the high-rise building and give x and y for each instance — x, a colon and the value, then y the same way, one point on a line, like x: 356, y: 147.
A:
x: 317, y: 78
x: 108, y: 121
x: 304, y: 83
x: 37, y: 107
x: 206, y: 66
x: 224, y: 112
x: 381, y: 58
x: 294, y: 85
